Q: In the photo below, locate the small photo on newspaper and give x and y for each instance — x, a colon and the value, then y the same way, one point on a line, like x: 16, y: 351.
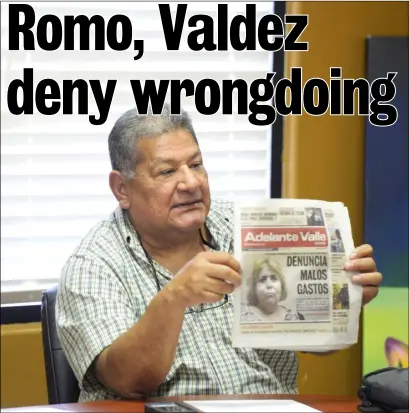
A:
x: 292, y: 254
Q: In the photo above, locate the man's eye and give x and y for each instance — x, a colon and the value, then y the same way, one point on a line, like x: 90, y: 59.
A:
x: 166, y: 172
x: 197, y: 165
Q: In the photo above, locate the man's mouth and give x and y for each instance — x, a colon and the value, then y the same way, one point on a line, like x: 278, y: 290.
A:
x: 188, y: 204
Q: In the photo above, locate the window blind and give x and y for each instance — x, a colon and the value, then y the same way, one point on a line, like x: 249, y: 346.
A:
x: 54, y: 169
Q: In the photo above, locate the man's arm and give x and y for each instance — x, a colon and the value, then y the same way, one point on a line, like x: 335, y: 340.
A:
x: 103, y: 337
x: 105, y: 341
x: 139, y: 360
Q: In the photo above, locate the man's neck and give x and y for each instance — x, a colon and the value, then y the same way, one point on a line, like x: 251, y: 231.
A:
x: 173, y: 251
x: 169, y: 243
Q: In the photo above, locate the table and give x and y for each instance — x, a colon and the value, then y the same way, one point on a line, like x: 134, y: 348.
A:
x: 330, y: 404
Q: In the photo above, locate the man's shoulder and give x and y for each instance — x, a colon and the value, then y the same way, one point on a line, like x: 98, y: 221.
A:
x: 103, y: 239
x: 100, y: 252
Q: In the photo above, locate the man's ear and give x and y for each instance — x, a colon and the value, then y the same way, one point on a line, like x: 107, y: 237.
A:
x: 119, y: 189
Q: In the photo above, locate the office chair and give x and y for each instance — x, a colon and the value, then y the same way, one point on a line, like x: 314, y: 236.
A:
x: 62, y: 385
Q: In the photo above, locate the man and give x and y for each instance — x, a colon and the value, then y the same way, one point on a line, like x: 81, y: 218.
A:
x: 144, y: 304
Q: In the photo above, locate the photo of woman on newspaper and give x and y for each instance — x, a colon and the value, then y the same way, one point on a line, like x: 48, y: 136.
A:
x: 267, y: 290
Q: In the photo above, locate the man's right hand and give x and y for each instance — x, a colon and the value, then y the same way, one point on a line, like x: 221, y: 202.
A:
x: 205, y: 279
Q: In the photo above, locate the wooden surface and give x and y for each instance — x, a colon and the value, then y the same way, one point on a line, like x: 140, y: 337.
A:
x: 330, y: 404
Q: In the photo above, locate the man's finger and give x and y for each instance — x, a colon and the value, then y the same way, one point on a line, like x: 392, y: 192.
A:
x: 219, y: 287
x: 371, y: 279
x: 221, y: 257
x: 362, y: 251
x: 369, y: 293
x: 224, y: 273
x: 212, y: 297
x: 361, y: 265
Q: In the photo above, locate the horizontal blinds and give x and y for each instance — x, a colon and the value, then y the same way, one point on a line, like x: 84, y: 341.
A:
x: 54, y: 170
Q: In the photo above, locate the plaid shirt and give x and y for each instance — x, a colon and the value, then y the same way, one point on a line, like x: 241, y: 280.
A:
x: 105, y: 288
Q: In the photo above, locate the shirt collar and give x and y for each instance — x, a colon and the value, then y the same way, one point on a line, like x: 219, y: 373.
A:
x: 221, y: 227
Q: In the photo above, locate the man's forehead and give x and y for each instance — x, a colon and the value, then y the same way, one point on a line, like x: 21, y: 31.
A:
x: 155, y: 154
x: 176, y: 156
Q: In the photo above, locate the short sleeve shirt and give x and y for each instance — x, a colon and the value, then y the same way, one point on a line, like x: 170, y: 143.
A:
x: 107, y: 284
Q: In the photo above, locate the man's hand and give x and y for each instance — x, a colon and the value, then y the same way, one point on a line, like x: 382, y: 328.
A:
x: 206, y: 279
x: 370, y: 279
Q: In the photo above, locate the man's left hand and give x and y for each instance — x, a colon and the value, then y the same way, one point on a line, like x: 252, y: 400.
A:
x: 362, y: 261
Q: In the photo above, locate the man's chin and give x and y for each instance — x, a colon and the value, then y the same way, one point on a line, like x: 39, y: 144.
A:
x: 189, y: 226
x: 190, y: 218
x: 190, y: 223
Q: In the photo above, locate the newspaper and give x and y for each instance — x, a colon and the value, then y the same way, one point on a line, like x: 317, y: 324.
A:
x: 295, y: 294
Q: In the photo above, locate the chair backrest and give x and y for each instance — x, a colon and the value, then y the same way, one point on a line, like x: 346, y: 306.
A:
x: 62, y: 385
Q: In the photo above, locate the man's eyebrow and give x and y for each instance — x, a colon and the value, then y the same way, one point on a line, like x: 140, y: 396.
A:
x: 159, y: 161
x: 195, y: 155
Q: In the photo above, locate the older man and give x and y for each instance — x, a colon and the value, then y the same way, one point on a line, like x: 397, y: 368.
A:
x: 144, y: 304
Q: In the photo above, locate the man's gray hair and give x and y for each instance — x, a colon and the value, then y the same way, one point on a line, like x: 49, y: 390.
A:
x: 131, y: 127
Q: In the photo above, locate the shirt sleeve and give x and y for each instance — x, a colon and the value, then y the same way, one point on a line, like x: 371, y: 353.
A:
x: 92, y: 310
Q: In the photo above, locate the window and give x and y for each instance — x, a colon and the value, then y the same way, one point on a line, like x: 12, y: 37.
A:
x: 54, y: 169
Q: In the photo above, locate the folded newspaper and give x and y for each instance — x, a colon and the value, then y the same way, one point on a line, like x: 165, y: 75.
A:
x: 295, y: 294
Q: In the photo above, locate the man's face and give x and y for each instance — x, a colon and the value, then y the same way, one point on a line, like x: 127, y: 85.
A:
x: 171, y: 189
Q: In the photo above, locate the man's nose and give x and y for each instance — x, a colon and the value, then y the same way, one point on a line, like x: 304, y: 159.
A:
x: 189, y: 180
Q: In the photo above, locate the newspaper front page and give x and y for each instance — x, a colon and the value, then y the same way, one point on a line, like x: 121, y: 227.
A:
x: 295, y: 293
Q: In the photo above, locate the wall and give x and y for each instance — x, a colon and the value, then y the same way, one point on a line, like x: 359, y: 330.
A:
x: 22, y: 366
x: 324, y: 156
x: 386, y: 320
